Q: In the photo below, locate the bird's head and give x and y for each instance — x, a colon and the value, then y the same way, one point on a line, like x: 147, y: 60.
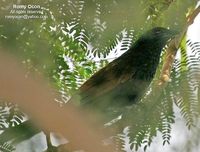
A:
x: 157, y: 37
x: 160, y: 33
x: 147, y: 50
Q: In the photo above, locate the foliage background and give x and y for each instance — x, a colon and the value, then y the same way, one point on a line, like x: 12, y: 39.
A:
x: 81, y: 36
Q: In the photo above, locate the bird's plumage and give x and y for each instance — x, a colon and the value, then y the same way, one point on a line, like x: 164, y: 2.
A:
x: 124, y: 80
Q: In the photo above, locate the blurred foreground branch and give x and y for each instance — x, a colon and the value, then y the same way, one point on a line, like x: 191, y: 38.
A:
x: 35, y: 98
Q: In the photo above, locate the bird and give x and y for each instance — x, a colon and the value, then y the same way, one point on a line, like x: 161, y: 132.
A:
x: 123, y: 81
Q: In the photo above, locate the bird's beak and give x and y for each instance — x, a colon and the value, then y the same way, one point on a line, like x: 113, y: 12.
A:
x: 171, y: 34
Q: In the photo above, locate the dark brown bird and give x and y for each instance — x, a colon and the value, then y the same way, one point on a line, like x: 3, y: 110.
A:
x: 123, y: 81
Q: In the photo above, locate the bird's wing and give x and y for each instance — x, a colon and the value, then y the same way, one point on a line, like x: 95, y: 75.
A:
x: 104, y: 81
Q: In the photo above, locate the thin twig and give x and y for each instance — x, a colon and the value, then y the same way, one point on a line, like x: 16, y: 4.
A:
x: 172, y: 49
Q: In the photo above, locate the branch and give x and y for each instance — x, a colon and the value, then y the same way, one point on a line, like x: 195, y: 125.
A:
x: 172, y: 49
x: 37, y: 100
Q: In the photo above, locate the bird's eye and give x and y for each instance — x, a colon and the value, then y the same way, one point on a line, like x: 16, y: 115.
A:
x: 157, y: 32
